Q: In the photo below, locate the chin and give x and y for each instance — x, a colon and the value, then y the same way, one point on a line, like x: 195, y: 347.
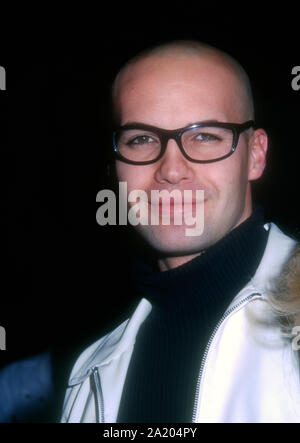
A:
x: 172, y: 240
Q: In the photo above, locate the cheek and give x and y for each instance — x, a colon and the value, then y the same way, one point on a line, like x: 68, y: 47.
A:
x: 228, y: 177
x: 136, y: 177
x: 122, y: 171
x: 237, y: 177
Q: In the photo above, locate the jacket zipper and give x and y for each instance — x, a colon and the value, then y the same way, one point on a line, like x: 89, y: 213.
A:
x: 98, y: 396
x: 225, y: 315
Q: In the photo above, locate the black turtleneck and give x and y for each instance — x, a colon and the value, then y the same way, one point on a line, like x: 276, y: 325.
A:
x: 187, y: 302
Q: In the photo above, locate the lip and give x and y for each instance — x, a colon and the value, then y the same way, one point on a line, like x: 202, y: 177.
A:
x: 172, y: 208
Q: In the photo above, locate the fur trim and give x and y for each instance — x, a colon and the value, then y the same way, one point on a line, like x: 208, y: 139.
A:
x: 285, y: 297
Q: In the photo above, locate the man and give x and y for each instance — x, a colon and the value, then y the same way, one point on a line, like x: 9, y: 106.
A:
x: 201, y: 345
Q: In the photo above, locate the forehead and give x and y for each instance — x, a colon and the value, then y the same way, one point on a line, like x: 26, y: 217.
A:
x: 174, y: 91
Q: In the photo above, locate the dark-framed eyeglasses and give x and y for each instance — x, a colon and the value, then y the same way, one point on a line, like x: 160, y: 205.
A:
x: 203, y: 142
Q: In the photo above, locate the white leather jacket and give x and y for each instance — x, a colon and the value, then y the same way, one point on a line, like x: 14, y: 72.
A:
x: 249, y: 371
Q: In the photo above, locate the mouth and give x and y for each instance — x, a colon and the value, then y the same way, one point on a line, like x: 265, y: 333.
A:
x: 172, y: 208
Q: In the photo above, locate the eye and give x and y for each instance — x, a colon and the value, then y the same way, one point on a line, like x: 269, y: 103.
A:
x: 206, y: 137
x: 141, y: 140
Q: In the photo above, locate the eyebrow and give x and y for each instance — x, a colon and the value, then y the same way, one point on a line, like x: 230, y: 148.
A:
x: 188, y: 124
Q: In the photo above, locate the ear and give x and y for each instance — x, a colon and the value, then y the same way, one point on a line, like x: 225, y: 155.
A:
x: 258, y: 145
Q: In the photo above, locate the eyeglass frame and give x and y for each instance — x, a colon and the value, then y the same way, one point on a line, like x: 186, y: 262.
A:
x: 165, y: 135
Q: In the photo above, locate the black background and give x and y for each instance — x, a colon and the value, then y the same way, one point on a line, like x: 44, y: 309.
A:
x: 64, y: 278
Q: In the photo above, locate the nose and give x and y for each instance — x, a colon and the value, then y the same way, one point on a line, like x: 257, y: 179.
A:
x: 173, y: 167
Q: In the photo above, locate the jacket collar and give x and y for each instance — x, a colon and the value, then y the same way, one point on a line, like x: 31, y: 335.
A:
x: 123, y: 337
x: 111, y: 346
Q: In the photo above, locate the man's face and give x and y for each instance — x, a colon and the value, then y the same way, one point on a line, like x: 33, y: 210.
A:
x: 170, y: 93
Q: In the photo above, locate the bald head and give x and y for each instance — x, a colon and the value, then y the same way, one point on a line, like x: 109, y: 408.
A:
x: 191, y: 55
